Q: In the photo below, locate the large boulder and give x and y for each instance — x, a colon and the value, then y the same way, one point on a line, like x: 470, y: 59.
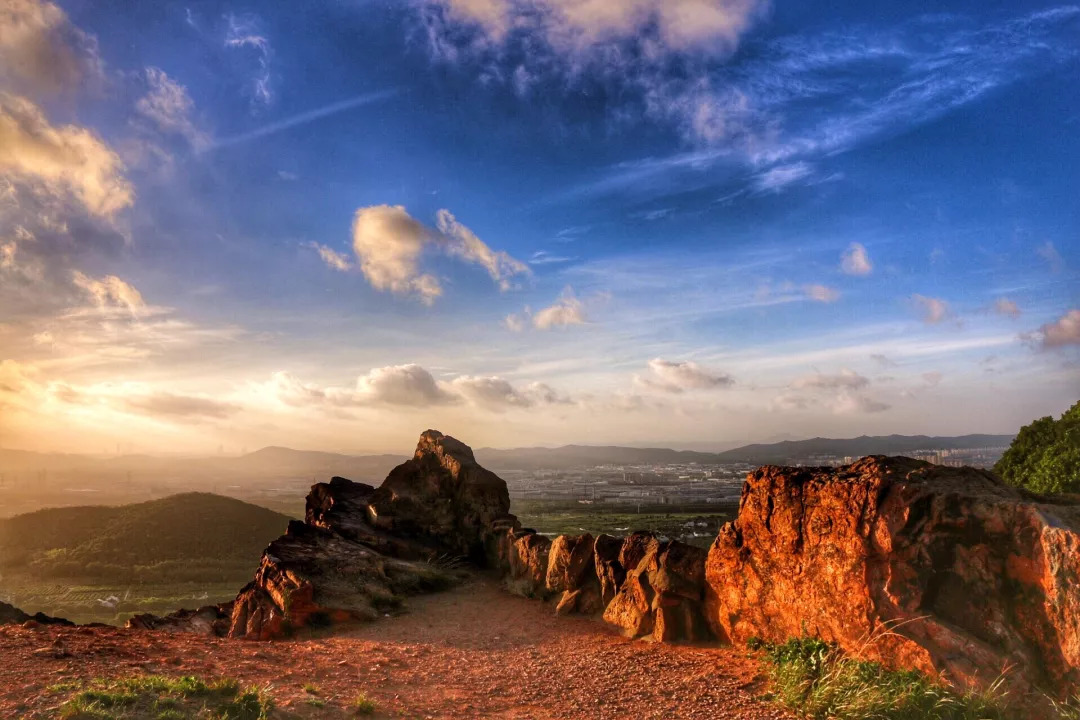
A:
x: 915, y: 565
x: 529, y: 552
x: 442, y: 496
x: 663, y: 592
x: 311, y: 577
x: 571, y: 571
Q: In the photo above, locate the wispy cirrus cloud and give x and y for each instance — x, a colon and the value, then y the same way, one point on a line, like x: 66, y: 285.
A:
x: 242, y: 33
x: 805, y: 97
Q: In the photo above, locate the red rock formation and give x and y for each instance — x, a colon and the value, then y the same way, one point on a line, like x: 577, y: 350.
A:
x: 662, y: 594
x: 528, y: 562
x: 946, y: 569
x: 609, y: 571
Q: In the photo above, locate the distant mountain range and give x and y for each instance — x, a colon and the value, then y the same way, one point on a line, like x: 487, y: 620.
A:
x: 272, y: 463
x: 760, y: 454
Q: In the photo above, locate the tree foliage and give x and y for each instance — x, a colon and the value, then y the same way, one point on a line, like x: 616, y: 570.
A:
x: 1045, y: 456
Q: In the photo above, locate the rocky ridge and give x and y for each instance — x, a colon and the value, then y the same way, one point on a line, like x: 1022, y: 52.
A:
x: 917, y: 566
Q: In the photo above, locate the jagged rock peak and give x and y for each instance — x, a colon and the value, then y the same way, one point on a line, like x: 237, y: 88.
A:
x: 433, y: 442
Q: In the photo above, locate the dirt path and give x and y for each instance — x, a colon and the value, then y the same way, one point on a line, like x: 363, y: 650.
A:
x: 474, y: 652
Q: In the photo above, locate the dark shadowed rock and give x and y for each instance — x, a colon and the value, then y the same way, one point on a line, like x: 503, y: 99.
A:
x: 312, y: 577
x: 10, y: 615
x: 609, y: 571
x: 969, y: 576
x: 444, y: 497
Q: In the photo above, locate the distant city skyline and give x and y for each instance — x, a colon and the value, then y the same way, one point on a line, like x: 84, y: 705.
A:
x: 524, y: 223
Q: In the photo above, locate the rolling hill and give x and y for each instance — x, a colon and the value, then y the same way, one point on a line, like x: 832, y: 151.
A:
x: 182, y: 534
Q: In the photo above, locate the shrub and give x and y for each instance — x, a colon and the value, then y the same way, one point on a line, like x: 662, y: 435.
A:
x: 1045, y: 456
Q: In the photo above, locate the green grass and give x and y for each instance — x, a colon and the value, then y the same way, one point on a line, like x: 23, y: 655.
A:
x: 816, y: 680
x: 162, y: 698
x: 363, y: 705
x: 562, y: 518
x: 1068, y: 709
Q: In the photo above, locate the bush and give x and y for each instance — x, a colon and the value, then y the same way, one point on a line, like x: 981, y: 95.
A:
x: 1045, y: 456
x: 816, y: 680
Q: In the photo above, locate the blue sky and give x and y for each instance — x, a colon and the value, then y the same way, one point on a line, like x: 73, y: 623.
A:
x: 534, y: 221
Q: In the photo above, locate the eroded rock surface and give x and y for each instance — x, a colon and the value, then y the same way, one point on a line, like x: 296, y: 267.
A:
x: 947, y: 569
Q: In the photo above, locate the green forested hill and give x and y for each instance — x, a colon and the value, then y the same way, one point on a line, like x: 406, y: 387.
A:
x: 190, y: 537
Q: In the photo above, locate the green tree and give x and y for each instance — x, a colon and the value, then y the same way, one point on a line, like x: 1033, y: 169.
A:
x: 1045, y: 456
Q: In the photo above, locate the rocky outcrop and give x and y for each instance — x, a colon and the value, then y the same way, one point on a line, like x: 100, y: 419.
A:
x: 662, y: 595
x: 443, y: 497
x: 10, y: 615
x: 361, y: 550
x: 945, y: 570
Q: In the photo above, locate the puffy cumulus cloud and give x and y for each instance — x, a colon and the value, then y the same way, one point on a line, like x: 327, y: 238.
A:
x: 856, y: 261
x: 388, y: 243
x: 933, y: 310
x: 566, y: 311
x: 515, y: 322
x: 678, y: 377
x: 66, y: 158
x: 409, y: 385
x: 332, y: 258
x: 463, y: 242
x: 110, y: 291
x: 1062, y: 332
x: 169, y: 107
x: 821, y: 293
x: 708, y: 26
x: 41, y: 51
x: 498, y: 394
x: 845, y: 379
x: 1006, y: 307
x: 403, y: 385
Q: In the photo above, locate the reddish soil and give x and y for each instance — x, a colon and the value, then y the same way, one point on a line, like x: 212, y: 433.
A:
x: 474, y: 652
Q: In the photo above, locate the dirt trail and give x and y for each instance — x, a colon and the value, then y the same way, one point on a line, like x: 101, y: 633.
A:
x: 474, y: 652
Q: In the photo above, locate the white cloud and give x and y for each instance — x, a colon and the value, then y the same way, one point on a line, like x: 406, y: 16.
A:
x: 498, y: 394
x: 402, y: 385
x: 168, y: 105
x: 463, y: 243
x: 110, y: 291
x: 779, y: 177
x: 1050, y: 254
x: 61, y: 159
x: 1006, y: 307
x: 822, y: 293
x: 566, y: 311
x: 388, y: 243
x: 332, y: 258
x: 678, y: 377
x: 41, y: 51
x: 933, y: 310
x: 856, y: 261
x: 847, y: 403
x: 932, y: 378
x: 1062, y: 332
x: 515, y: 322
x: 242, y: 34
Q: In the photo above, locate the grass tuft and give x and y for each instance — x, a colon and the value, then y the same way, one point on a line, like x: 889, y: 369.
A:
x: 163, y: 698
x: 816, y: 680
x: 363, y: 705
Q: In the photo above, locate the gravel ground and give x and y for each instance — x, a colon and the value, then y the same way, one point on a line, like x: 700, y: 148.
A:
x: 473, y: 652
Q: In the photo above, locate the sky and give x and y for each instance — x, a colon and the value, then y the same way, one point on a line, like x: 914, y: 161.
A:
x: 225, y: 225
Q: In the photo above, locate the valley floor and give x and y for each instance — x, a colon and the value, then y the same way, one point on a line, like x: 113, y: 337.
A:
x: 473, y: 652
